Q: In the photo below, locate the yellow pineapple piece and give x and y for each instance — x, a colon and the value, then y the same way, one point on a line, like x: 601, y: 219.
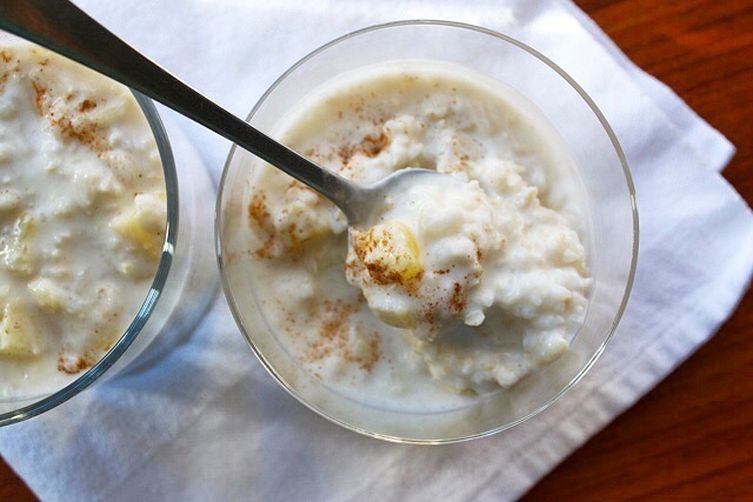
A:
x: 128, y: 226
x: 151, y: 211
x: 389, y: 252
x: 144, y: 225
x: 48, y: 294
x: 19, y: 336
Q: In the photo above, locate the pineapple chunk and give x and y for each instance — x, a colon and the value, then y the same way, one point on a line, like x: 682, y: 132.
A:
x: 48, y: 295
x: 19, y: 336
x: 144, y: 225
x: 15, y: 249
x: 128, y: 226
x: 389, y: 252
x: 151, y: 210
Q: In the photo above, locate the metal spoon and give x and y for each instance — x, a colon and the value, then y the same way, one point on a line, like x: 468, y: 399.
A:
x: 64, y: 28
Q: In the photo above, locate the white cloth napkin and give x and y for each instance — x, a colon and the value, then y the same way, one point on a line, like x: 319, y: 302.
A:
x: 208, y: 423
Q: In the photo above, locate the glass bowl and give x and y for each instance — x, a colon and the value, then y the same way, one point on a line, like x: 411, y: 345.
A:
x: 183, y: 285
x: 611, y: 245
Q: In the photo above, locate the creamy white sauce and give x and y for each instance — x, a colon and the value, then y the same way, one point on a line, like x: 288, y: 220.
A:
x: 82, y: 217
x: 466, y: 284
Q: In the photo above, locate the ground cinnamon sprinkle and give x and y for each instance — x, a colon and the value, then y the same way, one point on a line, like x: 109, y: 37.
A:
x: 370, y: 146
x: 40, y: 95
x: 428, y: 314
x: 7, y: 68
x: 85, y: 131
x: 87, y: 105
x: 259, y: 216
x: 379, y: 271
x: 293, y: 232
x: 257, y: 209
x: 457, y: 303
x: 73, y: 365
x: 276, y: 240
x: 333, y: 336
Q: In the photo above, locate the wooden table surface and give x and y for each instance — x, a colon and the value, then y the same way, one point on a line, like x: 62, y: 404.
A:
x: 692, y: 436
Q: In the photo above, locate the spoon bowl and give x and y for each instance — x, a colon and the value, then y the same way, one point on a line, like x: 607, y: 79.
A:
x: 370, y: 201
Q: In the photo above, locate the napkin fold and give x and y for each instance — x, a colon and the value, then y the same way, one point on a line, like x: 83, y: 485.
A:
x: 207, y: 422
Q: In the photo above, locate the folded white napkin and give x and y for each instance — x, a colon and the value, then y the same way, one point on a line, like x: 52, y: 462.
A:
x: 207, y: 422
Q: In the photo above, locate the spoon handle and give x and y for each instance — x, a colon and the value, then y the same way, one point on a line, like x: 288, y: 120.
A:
x: 64, y: 28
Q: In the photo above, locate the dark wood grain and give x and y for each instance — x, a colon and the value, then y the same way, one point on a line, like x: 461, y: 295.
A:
x: 692, y: 436
x: 12, y: 488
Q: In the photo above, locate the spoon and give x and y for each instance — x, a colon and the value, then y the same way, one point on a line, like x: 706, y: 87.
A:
x: 64, y: 28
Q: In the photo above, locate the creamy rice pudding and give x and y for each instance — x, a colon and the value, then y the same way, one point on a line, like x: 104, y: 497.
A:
x: 465, y: 284
x: 82, y: 217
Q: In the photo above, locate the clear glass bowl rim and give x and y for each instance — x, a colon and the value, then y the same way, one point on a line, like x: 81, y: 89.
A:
x: 234, y: 308
x: 147, y: 307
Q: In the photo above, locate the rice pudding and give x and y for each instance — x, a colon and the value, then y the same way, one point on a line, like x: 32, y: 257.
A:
x: 465, y: 284
x: 82, y: 217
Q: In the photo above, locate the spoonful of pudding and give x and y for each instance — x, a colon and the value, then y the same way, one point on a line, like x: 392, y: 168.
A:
x: 64, y: 28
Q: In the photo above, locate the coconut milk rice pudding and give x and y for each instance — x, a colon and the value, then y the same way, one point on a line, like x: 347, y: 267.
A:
x: 82, y: 217
x: 464, y: 284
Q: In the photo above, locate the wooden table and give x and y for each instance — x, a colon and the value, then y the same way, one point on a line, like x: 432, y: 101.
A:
x: 692, y: 436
